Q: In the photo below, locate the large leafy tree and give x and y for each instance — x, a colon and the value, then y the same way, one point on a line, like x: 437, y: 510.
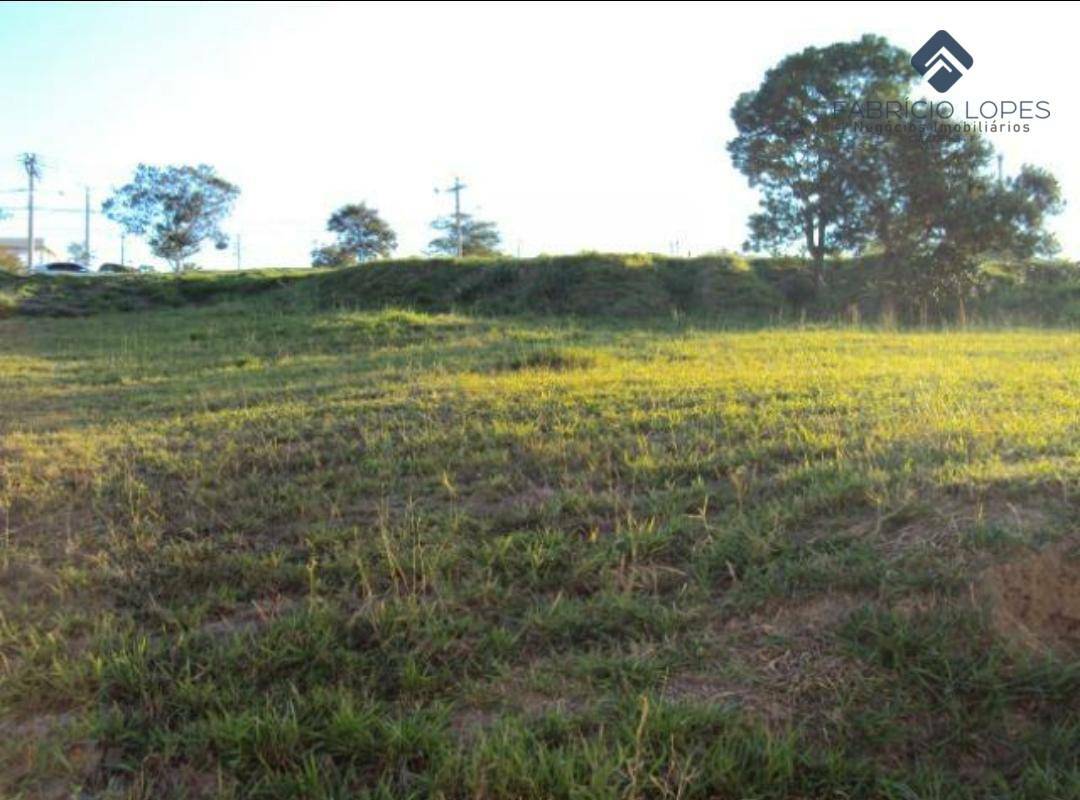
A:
x: 478, y: 237
x: 794, y: 147
x: 361, y: 234
x: 176, y: 208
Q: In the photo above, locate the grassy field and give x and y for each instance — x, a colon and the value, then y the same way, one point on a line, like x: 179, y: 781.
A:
x: 254, y: 552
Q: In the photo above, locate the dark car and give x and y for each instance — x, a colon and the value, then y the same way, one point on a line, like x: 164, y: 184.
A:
x: 61, y: 268
x: 116, y: 269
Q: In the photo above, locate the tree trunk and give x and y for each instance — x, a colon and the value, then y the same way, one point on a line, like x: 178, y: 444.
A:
x: 819, y: 255
x: 819, y: 271
x: 817, y: 265
x: 888, y: 312
x: 961, y: 309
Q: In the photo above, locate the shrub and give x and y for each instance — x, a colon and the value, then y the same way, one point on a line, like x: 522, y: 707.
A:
x: 10, y: 263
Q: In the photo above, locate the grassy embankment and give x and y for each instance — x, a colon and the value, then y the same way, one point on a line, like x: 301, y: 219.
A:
x: 269, y: 548
x: 727, y: 288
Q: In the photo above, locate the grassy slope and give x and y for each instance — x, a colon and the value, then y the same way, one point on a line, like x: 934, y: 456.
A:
x: 593, y: 284
x: 290, y: 553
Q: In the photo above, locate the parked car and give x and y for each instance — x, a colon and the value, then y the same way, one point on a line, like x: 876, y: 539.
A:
x: 116, y: 269
x: 61, y: 268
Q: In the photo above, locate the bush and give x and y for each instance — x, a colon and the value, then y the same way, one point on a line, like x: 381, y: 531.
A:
x: 332, y: 255
x: 10, y: 263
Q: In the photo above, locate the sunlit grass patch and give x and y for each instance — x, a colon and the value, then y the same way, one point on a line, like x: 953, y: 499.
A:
x: 282, y: 553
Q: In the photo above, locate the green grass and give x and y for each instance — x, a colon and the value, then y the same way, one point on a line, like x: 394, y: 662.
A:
x: 263, y: 550
x: 720, y: 287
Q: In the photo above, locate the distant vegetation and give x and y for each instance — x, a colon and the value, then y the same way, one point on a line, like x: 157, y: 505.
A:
x: 78, y: 253
x: 723, y: 287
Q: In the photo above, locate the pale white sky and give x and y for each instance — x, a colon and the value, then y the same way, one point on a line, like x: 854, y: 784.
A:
x: 575, y: 126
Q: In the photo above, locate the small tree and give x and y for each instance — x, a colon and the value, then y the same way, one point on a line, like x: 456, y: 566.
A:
x: 361, y: 234
x: 939, y: 213
x: 994, y: 220
x: 176, y: 208
x: 478, y: 237
x: 78, y: 253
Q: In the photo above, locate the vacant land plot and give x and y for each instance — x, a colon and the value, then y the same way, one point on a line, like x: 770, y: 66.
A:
x: 245, y: 552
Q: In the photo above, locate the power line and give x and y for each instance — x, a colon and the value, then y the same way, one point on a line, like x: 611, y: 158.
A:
x: 54, y: 209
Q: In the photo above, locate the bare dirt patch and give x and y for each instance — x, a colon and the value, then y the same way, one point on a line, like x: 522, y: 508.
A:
x: 1035, y: 601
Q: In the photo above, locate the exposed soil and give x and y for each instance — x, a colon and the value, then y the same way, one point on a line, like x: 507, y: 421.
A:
x: 1035, y: 601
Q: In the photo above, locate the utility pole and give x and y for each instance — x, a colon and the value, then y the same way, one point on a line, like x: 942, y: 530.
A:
x: 30, y: 163
x: 238, y: 251
x: 457, y: 216
x: 458, y: 232
x: 1001, y: 170
x: 86, y: 230
x: 123, y: 241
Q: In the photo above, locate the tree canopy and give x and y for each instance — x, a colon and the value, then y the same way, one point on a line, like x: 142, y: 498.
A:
x: 176, y: 208
x: 937, y: 211
x: 793, y: 146
x: 361, y: 232
x: 332, y: 255
x: 478, y: 237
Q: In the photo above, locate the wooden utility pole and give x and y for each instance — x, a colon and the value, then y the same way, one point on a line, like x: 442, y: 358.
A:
x: 86, y: 230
